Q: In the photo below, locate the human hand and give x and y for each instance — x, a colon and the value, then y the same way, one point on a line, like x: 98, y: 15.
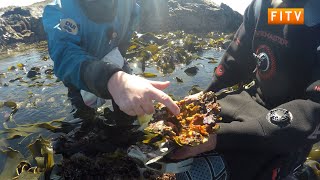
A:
x: 134, y: 94
x: 191, y: 151
x: 193, y: 97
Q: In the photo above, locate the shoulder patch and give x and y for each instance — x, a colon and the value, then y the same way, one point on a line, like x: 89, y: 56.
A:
x: 69, y: 25
x: 280, y: 117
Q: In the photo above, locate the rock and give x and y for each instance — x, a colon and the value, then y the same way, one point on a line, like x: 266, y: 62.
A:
x: 32, y: 74
x: 21, y: 25
x: 155, y: 14
x: 192, y: 16
x: 192, y: 71
x: 194, y: 90
x: 17, y: 11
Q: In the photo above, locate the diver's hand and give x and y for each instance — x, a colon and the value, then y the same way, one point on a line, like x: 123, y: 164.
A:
x: 134, y: 94
x: 191, y: 151
x: 193, y: 97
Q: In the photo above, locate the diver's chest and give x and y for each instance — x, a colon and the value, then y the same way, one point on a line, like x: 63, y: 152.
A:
x: 281, y: 48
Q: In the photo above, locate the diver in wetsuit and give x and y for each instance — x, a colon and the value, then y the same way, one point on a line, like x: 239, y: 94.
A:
x: 87, y: 40
x: 268, y: 127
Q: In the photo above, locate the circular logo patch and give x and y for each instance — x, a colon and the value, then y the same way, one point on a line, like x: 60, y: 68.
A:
x: 263, y: 63
x: 280, y: 117
x: 69, y: 25
x: 266, y: 62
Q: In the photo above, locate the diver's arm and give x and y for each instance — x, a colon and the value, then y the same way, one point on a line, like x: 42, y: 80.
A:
x: 250, y: 133
x: 71, y: 63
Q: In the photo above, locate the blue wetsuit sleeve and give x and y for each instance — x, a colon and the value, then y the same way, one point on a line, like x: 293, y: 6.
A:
x: 64, y: 48
x: 72, y: 64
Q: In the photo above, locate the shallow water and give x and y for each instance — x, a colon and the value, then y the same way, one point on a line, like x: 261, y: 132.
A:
x: 49, y: 101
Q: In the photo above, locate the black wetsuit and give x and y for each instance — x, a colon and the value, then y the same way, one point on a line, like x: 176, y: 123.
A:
x: 286, y: 70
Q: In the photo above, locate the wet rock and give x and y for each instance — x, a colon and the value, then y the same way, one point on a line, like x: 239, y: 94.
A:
x: 192, y: 71
x: 35, y: 69
x: 16, y: 11
x: 32, y: 74
x: 21, y: 25
x: 194, y: 90
x: 155, y: 14
x: 192, y: 16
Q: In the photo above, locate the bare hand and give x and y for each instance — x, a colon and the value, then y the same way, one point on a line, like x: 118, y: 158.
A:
x: 193, y: 97
x: 134, y: 94
x: 191, y: 151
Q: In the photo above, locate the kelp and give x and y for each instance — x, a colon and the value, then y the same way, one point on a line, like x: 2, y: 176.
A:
x: 21, y: 66
x: 31, y: 78
x: 169, y: 49
x: 149, y: 75
x: 314, y: 153
x: 12, y: 159
x: 3, y: 75
x: 16, y: 79
x: 13, y: 106
x: 18, y: 168
x: 211, y: 60
x: 12, y: 68
x: 26, y: 130
x: 45, y: 58
x: 42, y: 152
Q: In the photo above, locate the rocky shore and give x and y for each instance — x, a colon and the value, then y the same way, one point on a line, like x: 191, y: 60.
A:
x: 21, y: 25
x: 192, y: 16
x: 24, y: 24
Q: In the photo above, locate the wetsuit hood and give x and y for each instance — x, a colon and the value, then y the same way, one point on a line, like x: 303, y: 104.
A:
x: 99, y: 11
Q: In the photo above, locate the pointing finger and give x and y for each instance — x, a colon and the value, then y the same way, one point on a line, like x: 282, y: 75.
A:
x: 159, y: 84
x: 166, y: 100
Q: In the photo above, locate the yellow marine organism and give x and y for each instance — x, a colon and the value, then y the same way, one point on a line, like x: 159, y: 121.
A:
x: 144, y: 121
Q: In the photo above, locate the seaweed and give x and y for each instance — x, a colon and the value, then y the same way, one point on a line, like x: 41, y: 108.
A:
x: 192, y: 126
